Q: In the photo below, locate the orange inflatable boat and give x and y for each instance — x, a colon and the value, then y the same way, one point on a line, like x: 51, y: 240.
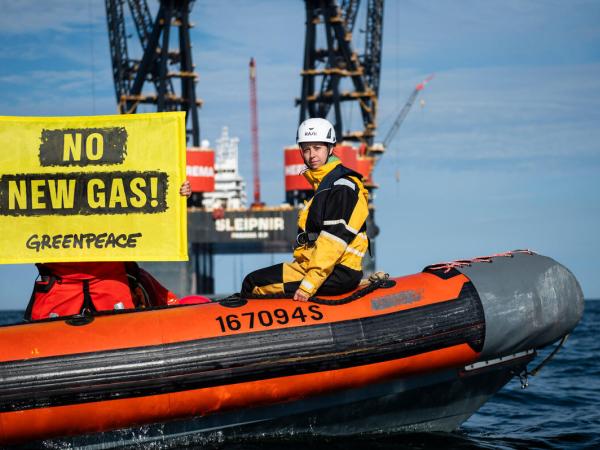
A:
x: 421, y: 352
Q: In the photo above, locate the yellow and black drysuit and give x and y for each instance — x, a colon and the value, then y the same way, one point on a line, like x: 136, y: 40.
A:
x: 332, y: 239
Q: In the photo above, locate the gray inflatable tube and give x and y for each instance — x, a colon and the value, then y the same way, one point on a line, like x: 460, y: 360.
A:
x: 529, y: 301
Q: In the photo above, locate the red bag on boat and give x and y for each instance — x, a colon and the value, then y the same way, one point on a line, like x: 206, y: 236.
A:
x: 68, y: 288
x: 194, y: 300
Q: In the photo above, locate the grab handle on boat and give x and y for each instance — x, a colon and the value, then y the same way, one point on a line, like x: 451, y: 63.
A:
x: 233, y: 301
x: 84, y: 318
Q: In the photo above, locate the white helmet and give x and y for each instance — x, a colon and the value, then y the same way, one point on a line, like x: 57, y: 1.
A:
x: 316, y: 130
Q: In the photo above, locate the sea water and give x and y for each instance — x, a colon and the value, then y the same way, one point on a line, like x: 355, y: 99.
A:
x: 559, y: 409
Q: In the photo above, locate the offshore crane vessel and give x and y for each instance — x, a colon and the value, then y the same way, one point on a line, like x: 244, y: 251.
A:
x: 415, y: 353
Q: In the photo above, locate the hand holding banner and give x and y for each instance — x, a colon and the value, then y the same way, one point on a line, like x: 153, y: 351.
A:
x: 102, y: 188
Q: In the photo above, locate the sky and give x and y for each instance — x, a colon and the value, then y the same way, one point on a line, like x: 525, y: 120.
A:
x: 503, y: 153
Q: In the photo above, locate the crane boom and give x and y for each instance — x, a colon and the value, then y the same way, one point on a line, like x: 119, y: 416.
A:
x: 404, y: 112
x: 130, y: 75
x: 142, y: 19
x: 373, y: 44
x: 254, y: 127
x: 333, y: 73
x: 349, y: 9
x: 117, y: 36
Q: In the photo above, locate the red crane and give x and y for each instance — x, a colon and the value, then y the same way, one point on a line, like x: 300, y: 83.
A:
x: 404, y: 112
x: 254, y: 126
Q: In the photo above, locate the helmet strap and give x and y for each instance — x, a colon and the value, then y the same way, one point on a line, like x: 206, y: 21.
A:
x: 329, y: 151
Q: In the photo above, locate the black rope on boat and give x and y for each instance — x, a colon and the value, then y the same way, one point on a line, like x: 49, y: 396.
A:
x: 523, y: 376
x: 379, y: 283
x: 535, y: 371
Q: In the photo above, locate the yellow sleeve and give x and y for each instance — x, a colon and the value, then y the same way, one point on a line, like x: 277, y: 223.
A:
x: 345, y: 214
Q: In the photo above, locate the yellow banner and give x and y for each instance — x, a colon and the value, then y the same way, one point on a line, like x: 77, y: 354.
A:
x: 101, y: 188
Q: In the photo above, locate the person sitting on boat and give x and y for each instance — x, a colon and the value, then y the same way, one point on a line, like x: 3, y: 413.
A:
x: 70, y: 288
x: 332, y: 238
